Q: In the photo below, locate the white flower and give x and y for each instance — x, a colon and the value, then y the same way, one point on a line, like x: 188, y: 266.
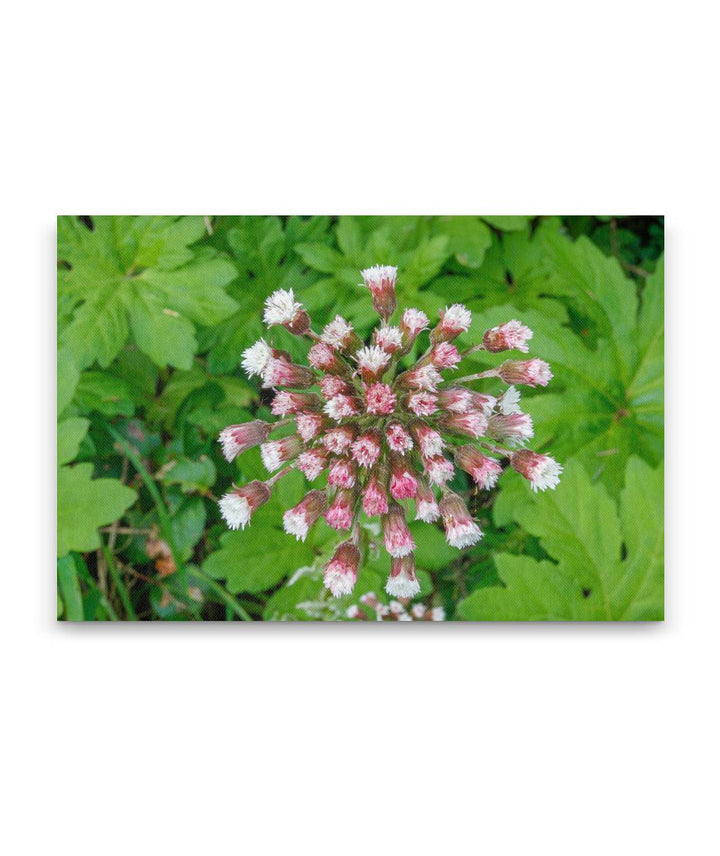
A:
x: 280, y: 307
x: 254, y: 358
x: 271, y: 457
x: 375, y: 276
x: 339, y: 583
x: 546, y: 474
x: 295, y: 523
x: 337, y: 332
x: 457, y: 317
x: 414, y: 320
x: 352, y: 611
x: 418, y: 610
x: 463, y: 534
x: 437, y: 613
x: 388, y: 338
x: 235, y: 510
x: 510, y: 401
x: 372, y: 359
x: 402, y: 586
x: 340, y: 406
x: 427, y: 510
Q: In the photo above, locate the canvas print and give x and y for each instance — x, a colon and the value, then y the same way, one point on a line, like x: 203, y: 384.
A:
x: 360, y: 418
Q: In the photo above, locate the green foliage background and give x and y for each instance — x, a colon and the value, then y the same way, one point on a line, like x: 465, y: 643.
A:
x: 154, y: 313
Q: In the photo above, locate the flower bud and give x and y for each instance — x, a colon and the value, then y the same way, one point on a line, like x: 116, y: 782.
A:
x: 380, y: 399
x: 342, y: 473
x: 375, y: 499
x: 366, y: 449
x: 312, y: 463
x: 438, y: 470
x: 402, y: 581
x: 429, y: 441
x: 238, y: 506
x: 513, y: 428
x: 340, y: 335
x: 340, y: 513
x: 484, y: 471
x: 403, y: 484
x: 309, y: 425
x: 281, y: 308
x: 280, y: 371
x: 445, y: 355
x: 338, y: 440
x: 236, y: 439
x: 412, y: 324
x: 425, y: 377
x: 298, y: 520
x: 381, y: 282
x: 422, y: 403
x: 277, y: 452
x: 398, y: 540
x: 294, y: 402
x: 372, y: 362
x: 325, y: 359
x: 541, y: 471
x: 460, y: 529
x: 341, y: 571
x: 528, y: 372
x: 508, y: 336
x: 453, y: 321
x: 388, y: 338
x: 342, y: 406
x: 332, y: 385
x: 473, y: 424
x: 426, y: 506
x: 397, y: 438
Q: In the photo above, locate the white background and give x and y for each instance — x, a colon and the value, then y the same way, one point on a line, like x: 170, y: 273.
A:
x: 354, y: 739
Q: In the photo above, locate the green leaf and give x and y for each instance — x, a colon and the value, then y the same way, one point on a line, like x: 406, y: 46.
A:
x: 257, y: 558
x: 69, y: 586
x: 138, y: 274
x: 609, y: 561
x: 508, y: 222
x: 104, y: 393
x: 468, y: 239
x: 192, y: 475
x: 67, y: 379
x: 84, y: 504
x: 70, y: 433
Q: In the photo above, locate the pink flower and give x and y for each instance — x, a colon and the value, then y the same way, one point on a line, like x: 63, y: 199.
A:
x: 342, y: 473
x: 331, y: 385
x: 460, y: 529
x: 236, y: 439
x: 366, y: 449
x: 398, y: 439
x: 339, y: 514
x: 281, y: 308
x: 412, y: 324
x: 528, y: 372
x: 511, y: 335
x: 453, y: 322
x: 426, y: 506
x: 298, y: 520
x: 338, y: 440
x: 484, y: 471
x: 375, y: 500
x: 238, y: 506
x: 398, y: 540
x: 381, y: 282
x: 428, y: 439
x: 541, y: 471
x: 425, y: 377
x: 445, y: 355
x: 402, y: 581
x: 280, y: 371
x: 380, y: 399
x: 422, y: 403
x: 324, y: 358
x: 277, y: 452
x: 438, y: 470
x: 341, y: 406
x: 513, y: 428
x: 312, y: 463
x: 294, y: 402
x: 403, y: 484
x: 456, y: 399
x: 309, y: 425
x: 342, y: 570
x: 472, y: 424
x: 388, y: 338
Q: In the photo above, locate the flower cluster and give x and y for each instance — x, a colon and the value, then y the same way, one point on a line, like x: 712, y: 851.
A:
x: 393, y: 611
x: 385, y: 432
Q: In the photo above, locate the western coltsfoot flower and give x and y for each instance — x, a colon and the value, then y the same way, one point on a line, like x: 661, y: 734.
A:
x: 386, y: 433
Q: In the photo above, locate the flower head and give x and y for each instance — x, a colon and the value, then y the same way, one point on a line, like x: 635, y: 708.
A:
x: 385, y: 431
